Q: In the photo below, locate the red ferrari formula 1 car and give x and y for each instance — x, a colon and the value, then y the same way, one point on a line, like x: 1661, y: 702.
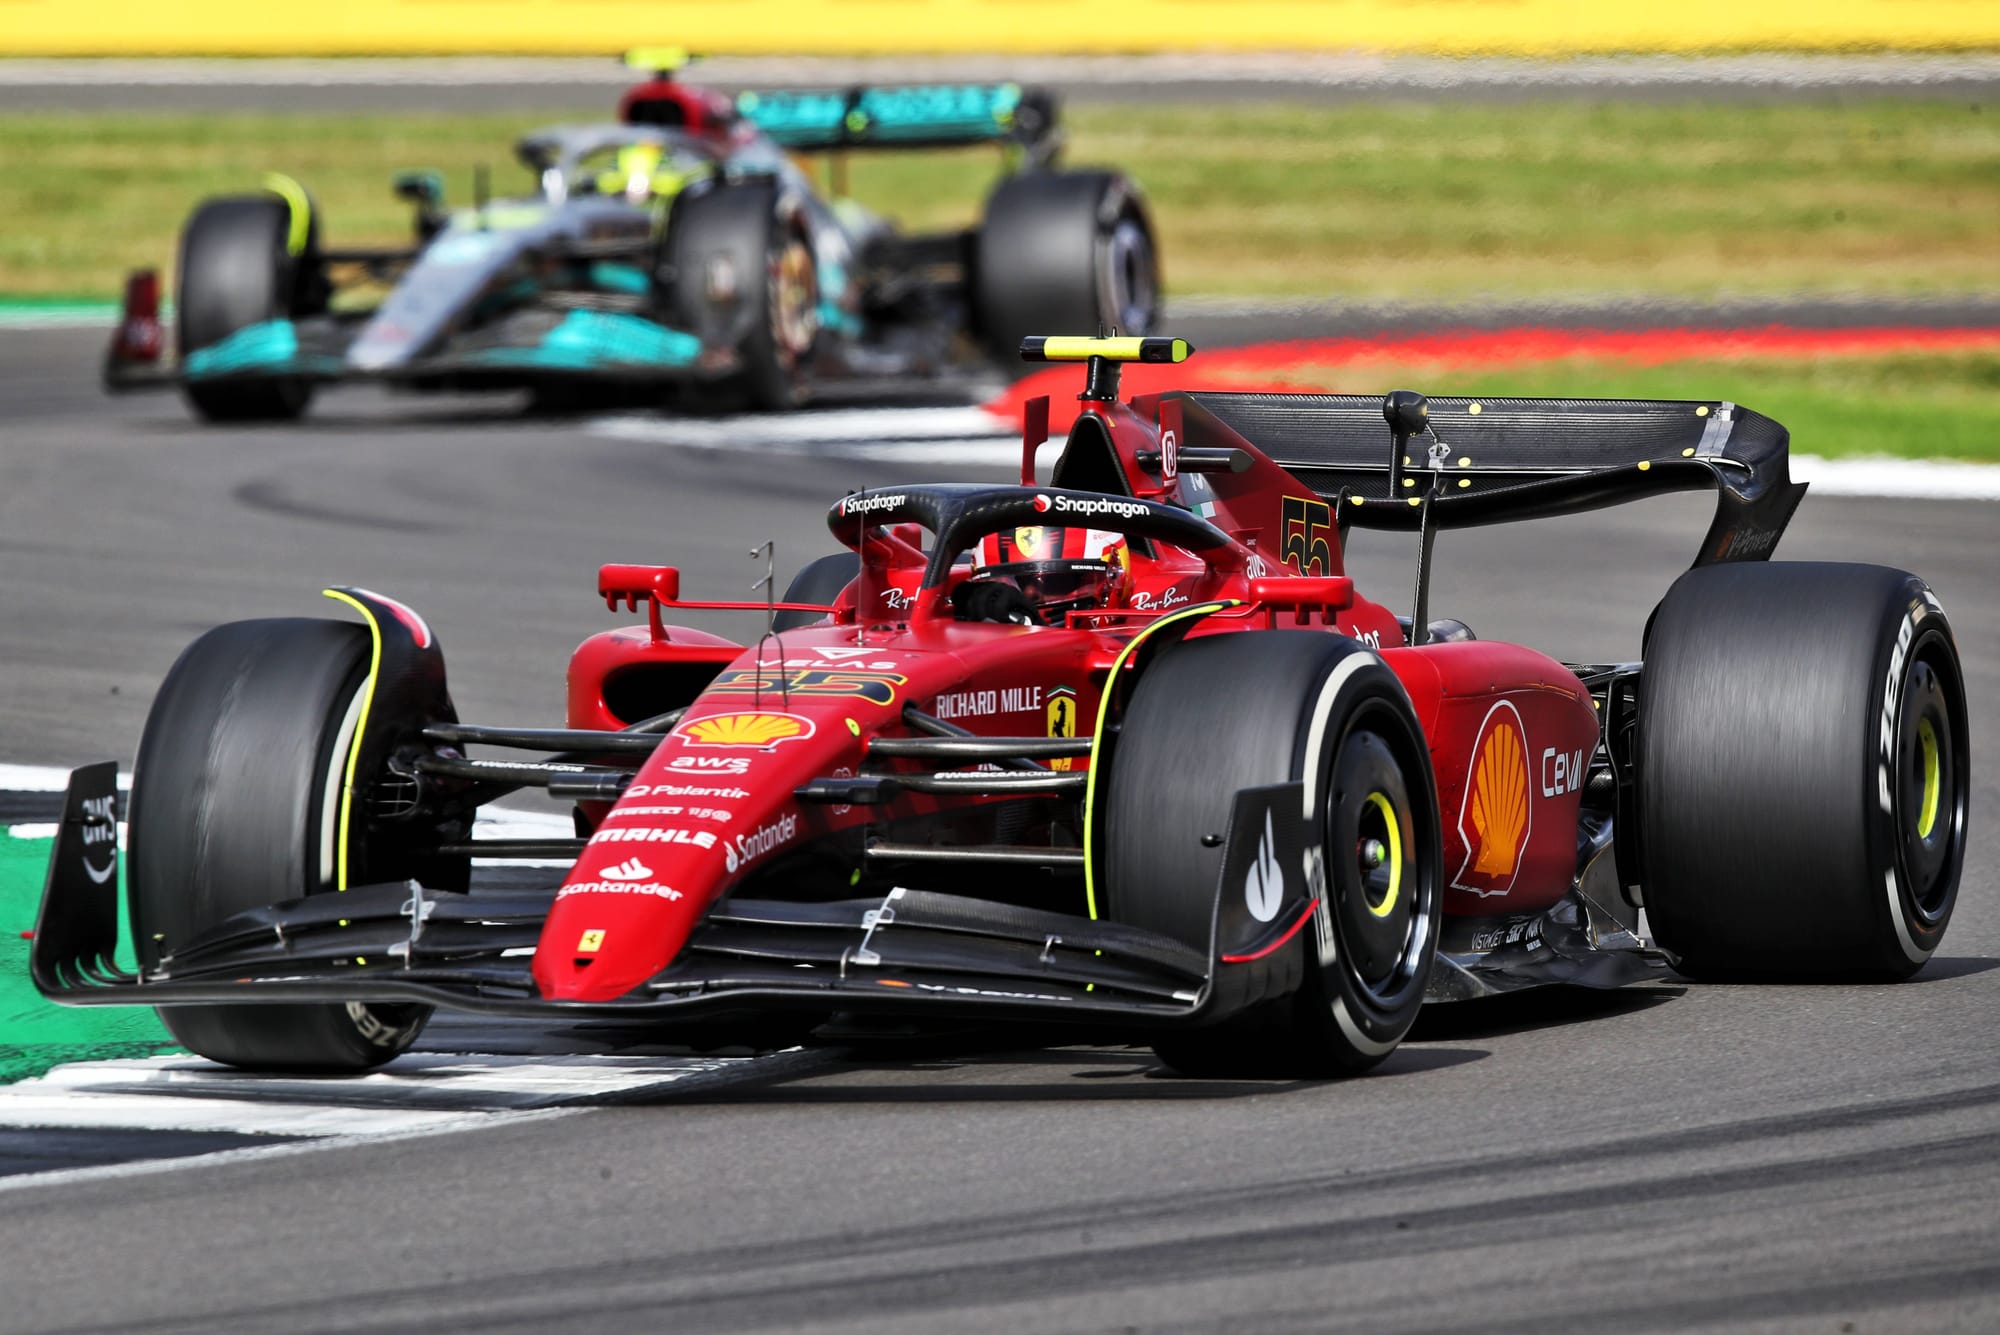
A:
x: 1124, y: 749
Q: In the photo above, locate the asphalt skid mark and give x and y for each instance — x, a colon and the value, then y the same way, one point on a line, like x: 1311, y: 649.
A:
x: 270, y: 497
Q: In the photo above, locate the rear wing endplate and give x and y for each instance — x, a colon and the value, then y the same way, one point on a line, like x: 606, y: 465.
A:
x: 1501, y: 460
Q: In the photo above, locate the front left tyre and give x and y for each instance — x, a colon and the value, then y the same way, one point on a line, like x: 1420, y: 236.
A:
x: 236, y: 804
x: 819, y: 581
x: 238, y: 271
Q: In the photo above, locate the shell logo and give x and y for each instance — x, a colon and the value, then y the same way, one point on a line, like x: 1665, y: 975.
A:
x: 1497, y: 814
x: 764, y: 731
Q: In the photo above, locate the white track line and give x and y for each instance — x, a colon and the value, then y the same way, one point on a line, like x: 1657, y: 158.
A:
x: 418, y: 1095
x: 1914, y: 479
x: 830, y: 427
x: 43, y: 779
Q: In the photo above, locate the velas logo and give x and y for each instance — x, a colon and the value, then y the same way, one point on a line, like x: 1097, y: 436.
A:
x: 763, y: 731
x: 1496, y: 814
x: 1042, y: 503
x: 862, y: 505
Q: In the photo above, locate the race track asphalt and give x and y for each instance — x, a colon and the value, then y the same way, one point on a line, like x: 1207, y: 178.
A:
x: 1740, y: 1158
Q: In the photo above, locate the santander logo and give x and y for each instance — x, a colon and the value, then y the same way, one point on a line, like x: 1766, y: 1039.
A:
x: 631, y: 869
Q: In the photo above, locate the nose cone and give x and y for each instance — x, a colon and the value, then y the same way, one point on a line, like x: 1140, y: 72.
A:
x: 607, y: 936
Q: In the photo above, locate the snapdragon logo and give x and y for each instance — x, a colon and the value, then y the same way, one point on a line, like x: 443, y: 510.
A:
x: 1085, y: 508
x: 862, y: 505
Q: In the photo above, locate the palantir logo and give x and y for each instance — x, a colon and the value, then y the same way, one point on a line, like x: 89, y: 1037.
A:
x: 631, y: 869
x: 1264, y: 887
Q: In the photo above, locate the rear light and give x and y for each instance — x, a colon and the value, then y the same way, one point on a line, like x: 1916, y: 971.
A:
x: 138, y: 335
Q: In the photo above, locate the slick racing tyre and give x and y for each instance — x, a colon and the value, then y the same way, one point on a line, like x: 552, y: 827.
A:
x: 1064, y: 253
x: 1245, y: 710
x: 237, y: 271
x: 821, y: 581
x: 235, y: 805
x: 1803, y: 773
x: 744, y: 273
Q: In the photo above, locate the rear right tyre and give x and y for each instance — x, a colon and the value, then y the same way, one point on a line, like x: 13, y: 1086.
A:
x: 1804, y: 771
x: 1063, y: 253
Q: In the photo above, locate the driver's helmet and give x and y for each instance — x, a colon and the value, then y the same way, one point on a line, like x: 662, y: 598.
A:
x: 1060, y: 570
x: 633, y: 173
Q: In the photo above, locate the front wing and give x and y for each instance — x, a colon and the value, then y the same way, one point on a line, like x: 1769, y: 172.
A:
x: 612, y: 346
x: 908, y: 951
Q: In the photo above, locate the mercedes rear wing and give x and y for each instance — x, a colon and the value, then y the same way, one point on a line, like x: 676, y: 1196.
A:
x: 908, y: 116
x: 1486, y: 461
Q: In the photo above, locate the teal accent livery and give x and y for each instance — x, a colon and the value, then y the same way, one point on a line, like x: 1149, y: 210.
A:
x: 589, y: 340
x: 922, y: 113
x: 270, y: 346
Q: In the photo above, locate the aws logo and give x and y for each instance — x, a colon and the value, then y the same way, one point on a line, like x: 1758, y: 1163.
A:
x: 1497, y: 813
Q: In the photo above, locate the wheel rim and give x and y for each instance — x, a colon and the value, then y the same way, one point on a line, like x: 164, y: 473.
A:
x: 1377, y: 890
x: 1930, y: 803
x: 1131, y: 294
x: 794, y: 300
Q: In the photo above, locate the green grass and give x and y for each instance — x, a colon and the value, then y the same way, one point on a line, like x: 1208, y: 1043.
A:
x: 35, y: 1035
x: 1421, y: 200
x: 1930, y: 406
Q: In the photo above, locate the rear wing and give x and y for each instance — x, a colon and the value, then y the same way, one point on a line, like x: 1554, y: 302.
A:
x: 907, y: 116
x: 1486, y: 461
